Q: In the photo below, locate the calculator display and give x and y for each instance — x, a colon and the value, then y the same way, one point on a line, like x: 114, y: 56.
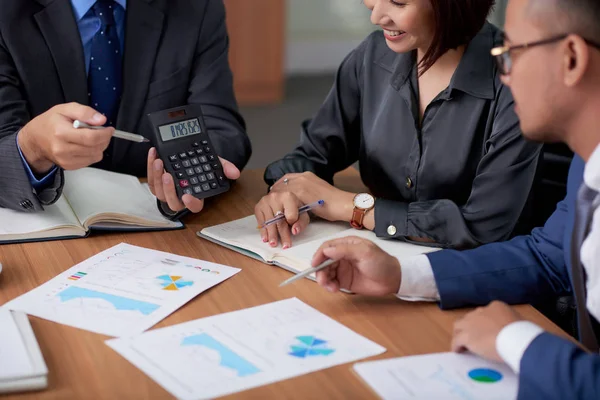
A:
x: 180, y: 129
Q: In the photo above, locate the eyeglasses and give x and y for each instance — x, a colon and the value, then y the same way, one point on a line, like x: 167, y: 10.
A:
x: 504, y: 58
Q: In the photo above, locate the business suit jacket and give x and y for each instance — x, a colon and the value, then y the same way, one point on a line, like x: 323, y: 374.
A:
x: 175, y: 54
x: 523, y: 270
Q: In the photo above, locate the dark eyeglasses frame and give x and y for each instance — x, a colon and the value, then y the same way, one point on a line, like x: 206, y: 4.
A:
x: 503, y: 57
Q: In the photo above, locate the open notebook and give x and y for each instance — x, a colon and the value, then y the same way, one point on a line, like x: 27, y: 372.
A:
x: 242, y: 236
x: 22, y: 365
x: 92, y: 199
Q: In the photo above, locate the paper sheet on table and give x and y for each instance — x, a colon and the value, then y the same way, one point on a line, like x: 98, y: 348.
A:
x: 231, y: 352
x: 121, y: 291
x: 447, y: 376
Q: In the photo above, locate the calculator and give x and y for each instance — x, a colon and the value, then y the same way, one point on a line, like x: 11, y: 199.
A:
x: 182, y: 143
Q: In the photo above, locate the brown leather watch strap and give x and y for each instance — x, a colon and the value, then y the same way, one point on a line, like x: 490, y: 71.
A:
x: 358, y: 216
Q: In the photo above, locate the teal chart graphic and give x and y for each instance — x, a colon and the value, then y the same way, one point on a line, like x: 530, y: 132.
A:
x: 229, y: 359
x: 120, y: 303
x: 485, y: 375
x: 170, y: 282
x: 310, y: 346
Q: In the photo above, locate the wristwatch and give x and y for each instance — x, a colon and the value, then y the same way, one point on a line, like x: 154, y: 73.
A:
x: 363, y: 202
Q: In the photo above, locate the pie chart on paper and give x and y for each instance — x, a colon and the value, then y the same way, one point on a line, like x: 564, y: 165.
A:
x: 173, y: 283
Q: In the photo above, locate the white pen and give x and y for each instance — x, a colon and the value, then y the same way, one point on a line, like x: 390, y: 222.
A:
x: 118, y: 134
x: 307, y: 272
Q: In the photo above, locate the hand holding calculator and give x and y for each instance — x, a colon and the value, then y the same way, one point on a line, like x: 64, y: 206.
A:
x: 183, y: 144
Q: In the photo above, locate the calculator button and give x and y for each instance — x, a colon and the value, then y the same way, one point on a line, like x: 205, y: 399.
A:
x: 191, y: 153
x: 220, y: 178
x: 202, y: 178
x: 198, y: 170
x: 212, y: 157
x: 176, y: 166
x: 215, y: 165
x: 182, y: 155
x: 214, y: 185
x: 204, y: 142
x: 207, y: 149
x: 195, y: 161
x: 210, y: 176
x: 195, y: 144
x: 173, y: 158
x: 206, y: 187
x: 186, y: 163
x: 189, y: 171
x: 187, y: 191
x: 184, y: 183
x: 197, y: 189
x: 199, y: 151
x: 194, y: 181
x: 206, y: 167
x: 180, y: 175
x: 202, y: 159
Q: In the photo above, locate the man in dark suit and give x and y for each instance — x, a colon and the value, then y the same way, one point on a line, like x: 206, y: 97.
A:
x: 551, y: 61
x: 108, y: 63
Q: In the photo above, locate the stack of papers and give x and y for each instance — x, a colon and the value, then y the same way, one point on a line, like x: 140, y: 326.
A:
x: 121, y: 291
x: 231, y: 352
x: 22, y: 366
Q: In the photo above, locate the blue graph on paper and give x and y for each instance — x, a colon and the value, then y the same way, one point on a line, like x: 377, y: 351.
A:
x: 229, y: 359
x: 120, y: 303
x: 310, y: 346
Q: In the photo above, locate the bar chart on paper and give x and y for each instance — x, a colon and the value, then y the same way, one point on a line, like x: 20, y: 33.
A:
x: 231, y: 352
x: 121, y: 291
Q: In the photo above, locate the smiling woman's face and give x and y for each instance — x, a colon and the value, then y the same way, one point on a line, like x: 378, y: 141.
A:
x: 407, y: 24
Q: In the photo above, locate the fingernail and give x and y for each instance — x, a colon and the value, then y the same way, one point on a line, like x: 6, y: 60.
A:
x: 265, y: 240
x: 153, y: 152
x: 272, y: 243
x: 97, y: 117
x: 286, y: 246
x: 295, y: 231
x: 166, y: 179
x: 329, y: 289
x: 157, y: 166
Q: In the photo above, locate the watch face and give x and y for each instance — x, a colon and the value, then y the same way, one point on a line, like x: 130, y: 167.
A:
x: 364, y: 201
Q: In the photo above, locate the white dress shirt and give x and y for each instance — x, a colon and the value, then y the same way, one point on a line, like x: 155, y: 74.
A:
x: 418, y: 282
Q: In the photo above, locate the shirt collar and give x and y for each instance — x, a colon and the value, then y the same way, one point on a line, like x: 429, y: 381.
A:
x: 591, y: 173
x: 81, y: 7
x: 475, y: 74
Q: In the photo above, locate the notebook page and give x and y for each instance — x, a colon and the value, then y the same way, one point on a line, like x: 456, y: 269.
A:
x: 14, y: 358
x: 16, y: 225
x: 300, y: 256
x: 102, y: 196
x: 243, y: 233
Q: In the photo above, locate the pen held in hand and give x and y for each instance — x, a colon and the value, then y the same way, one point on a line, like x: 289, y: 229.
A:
x: 301, y: 210
x: 307, y: 272
x: 118, y: 134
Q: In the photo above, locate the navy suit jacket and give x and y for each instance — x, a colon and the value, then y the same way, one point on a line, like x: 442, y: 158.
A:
x: 525, y: 270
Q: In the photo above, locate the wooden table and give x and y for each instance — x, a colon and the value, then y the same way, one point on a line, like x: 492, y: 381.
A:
x: 82, y: 367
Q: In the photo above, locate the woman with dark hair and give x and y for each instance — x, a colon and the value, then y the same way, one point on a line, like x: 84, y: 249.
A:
x: 420, y: 105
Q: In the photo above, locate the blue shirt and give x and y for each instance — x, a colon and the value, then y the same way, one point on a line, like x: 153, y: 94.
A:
x: 88, y: 25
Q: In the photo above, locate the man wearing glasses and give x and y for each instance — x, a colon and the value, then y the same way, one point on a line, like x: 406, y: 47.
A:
x: 551, y: 62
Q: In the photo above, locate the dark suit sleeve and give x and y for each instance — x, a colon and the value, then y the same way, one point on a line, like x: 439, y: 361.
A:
x: 523, y: 270
x: 16, y: 191
x: 553, y: 368
x: 330, y: 143
x: 212, y: 87
x: 498, y: 194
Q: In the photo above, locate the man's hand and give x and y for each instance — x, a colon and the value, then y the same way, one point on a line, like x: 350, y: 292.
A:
x: 162, y: 184
x: 361, y: 267
x: 50, y: 139
x: 478, y: 330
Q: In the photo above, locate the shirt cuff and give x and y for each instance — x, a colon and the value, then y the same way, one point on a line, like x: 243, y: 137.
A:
x: 390, y: 219
x: 514, y: 339
x: 418, y: 281
x: 38, y: 184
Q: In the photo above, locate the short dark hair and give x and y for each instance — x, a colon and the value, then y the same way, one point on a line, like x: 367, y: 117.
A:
x: 456, y: 23
x: 581, y: 17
